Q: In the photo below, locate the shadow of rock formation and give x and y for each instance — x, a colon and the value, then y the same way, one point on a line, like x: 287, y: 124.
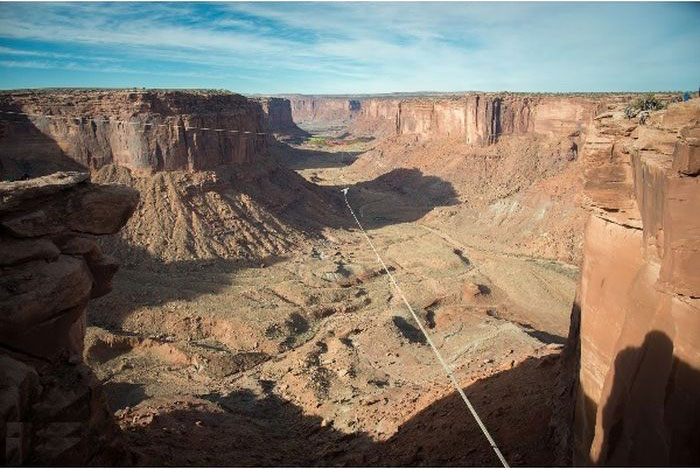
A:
x: 296, y: 158
x: 652, y: 416
x: 147, y: 281
x: 245, y: 429
x: 123, y: 394
x: 28, y: 152
x: 399, y: 196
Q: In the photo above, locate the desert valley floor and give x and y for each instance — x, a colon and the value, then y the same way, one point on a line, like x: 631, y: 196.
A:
x: 311, y: 358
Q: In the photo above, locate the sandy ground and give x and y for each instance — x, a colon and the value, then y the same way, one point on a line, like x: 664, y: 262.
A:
x: 312, y: 359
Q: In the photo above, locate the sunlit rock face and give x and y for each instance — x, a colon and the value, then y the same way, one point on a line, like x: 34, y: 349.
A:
x: 472, y: 118
x: 639, y: 375
x: 318, y: 108
x: 52, y: 408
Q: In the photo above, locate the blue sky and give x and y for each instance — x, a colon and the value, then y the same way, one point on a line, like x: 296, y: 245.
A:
x: 352, y: 47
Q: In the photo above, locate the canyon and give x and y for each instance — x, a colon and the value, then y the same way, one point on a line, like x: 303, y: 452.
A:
x: 547, y: 243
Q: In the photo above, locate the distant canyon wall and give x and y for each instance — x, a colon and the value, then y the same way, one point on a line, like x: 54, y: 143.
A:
x: 312, y: 108
x: 158, y: 130
x: 277, y: 116
x: 639, y: 379
x: 472, y: 118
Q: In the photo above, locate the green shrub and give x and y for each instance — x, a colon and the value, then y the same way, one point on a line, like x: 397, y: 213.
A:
x: 649, y: 103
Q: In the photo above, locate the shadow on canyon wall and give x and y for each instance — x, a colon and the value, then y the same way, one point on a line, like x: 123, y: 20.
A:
x: 652, y: 415
x: 305, y: 159
x: 27, y: 152
x: 267, y: 430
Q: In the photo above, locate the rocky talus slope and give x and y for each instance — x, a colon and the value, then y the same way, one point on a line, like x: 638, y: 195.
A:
x: 513, y: 159
x: 52, y: 408
x: 206, y: 193
x: 215, y: 214
x: 639, y: 379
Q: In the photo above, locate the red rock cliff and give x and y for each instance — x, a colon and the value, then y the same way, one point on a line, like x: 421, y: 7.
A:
x: 317, y: 108
x: 164, y: 143
x: 639, y: 379
x: 482, y: 119
x: 143, y: 131
x: 277, y: 114
x: 473, y: 118
x: 52, y: 408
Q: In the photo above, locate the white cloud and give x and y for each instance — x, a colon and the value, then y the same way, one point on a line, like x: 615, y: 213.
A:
x: 364, y: 47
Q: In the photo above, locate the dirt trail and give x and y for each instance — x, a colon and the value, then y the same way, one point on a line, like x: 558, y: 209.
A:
x: 311, y: 359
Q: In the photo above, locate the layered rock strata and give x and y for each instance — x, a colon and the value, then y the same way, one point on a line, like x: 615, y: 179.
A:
x: 144, y: 131
x: 639, y: 376
x: 277, y: 115
x: 200, y: 159
x: 472, y: 118
x: 52, y: 409
x: 316, y: 108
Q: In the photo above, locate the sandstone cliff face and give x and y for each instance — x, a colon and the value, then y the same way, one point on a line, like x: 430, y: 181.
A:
x: 143, y: 131
x: 52, y: 409
x: 210, y: 194
x: 473, y: 118
x: 483, y: 119
x: 639, y: 379
x: 312, y: 108
x: 277, y: 116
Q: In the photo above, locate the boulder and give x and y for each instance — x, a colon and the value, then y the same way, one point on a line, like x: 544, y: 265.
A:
x: 52, y: 408
x: 471, y: 291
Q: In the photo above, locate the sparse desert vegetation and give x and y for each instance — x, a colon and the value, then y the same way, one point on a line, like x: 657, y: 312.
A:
x: 375, y: 269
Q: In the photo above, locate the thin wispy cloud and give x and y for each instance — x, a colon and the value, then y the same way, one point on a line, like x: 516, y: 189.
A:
x: 352, y: 47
